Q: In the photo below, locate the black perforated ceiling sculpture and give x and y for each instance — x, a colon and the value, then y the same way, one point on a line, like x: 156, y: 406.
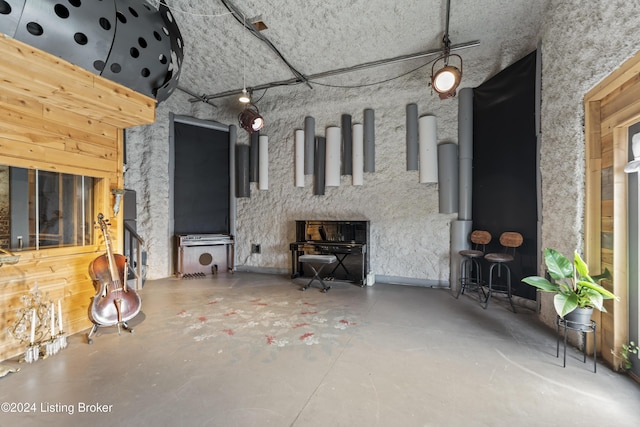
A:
x: 126, y: 41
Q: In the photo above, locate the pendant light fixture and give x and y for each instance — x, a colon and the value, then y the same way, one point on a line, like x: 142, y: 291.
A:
x: 446, y: 80
x: 245, y: 97
x: 250, y: 119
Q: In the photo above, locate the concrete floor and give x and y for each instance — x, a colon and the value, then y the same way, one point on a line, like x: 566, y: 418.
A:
x: 252, y: 350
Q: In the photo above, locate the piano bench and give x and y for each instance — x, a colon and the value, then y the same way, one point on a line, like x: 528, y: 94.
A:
x: 317, y: 263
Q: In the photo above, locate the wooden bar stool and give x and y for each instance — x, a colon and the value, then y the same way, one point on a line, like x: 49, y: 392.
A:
x: 470, y: 268
x: 510, y: 241
x: 320, y: 261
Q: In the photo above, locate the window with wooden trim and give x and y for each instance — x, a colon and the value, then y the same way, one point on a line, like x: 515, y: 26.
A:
x: 43, y: 209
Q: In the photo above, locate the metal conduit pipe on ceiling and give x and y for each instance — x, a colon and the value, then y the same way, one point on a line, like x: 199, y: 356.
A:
x: 330, y: 73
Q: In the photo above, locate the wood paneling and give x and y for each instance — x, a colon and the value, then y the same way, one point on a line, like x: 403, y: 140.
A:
x: 59, y: 117
x: 35, y: 74
x: 610, y: 108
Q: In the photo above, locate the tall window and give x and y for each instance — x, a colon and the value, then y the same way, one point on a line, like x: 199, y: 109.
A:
x: 40, y: 209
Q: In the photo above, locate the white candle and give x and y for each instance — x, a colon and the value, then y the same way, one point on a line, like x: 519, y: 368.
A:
x: 53, y: 323
x: 59, y: 315
x: 33, y: 326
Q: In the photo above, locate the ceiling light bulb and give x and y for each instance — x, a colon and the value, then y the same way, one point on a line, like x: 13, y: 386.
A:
x: 446, y: 80
x: 257, y: 123
x: 244, y: 97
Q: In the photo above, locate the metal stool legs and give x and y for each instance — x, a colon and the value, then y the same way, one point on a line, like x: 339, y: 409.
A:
x: 316, y: 276
x: 494, y: 287
x: 470, y: 268
x: 321, y: 261
x: 470, y: 275
x: 510, y: 240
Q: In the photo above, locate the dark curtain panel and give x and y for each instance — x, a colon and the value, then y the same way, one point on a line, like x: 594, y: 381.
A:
x: 201, y: 180
x: 504, y: 164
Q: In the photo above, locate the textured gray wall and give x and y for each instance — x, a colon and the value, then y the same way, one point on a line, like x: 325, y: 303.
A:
x: 581, y: 45
x: 409, y: 238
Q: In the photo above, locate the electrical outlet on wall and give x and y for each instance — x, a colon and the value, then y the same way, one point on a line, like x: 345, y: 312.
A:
x: 255, y: 248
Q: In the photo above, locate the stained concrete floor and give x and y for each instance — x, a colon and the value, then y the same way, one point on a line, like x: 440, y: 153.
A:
x: 247, y: 349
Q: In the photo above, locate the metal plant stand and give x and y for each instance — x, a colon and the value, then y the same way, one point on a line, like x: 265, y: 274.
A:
x: 583, y: 328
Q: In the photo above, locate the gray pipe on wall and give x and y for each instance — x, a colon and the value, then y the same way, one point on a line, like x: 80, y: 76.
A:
x: 369, y: 141
x: 465, y: 152
x: 347, y: 145
x: 233, y: 204
x: 448, y: 177
x: 412, y: 137
x: 461, y: 229
x: 320, y: 164
x: 309, y: 144
x: 254, y: 156
x: 242, y: 171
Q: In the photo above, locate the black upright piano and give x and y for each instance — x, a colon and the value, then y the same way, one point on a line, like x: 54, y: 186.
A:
x: 347, y: 240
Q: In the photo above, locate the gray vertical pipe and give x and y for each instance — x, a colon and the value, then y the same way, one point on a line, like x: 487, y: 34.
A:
x: 538, y: 101
x: 242, y: 170
x: 309, y: 144
x: 412, y: 137
x: 461, y: 229
x: 347, y: 145
x: 465, y: 152
x: 448, y: 177
x: 320, y: 160
x: 233, y: 205
x: 369, y: 141
x: 254, y: 156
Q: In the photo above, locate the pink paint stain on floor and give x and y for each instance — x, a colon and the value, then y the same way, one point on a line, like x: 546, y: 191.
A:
x: 228, y: 331
x: 307, y: 303
x: 270, y: 339
x: 182, y: 312
x: 202, y: 319
x: 212, y: 302
x: 308, y: 312
x: 346, y: 322
x: 300, y: 325
x: 305, y: 336
x: 231, y: 313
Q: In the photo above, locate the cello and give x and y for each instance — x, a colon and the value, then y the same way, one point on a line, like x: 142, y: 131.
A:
x: 114, y: 302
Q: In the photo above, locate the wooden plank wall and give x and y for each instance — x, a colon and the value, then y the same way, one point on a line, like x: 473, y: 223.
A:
x: 59, y: 117
x: 610, y: 108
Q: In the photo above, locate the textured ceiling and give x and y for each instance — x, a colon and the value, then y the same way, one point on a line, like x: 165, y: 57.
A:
x: 318, y: 36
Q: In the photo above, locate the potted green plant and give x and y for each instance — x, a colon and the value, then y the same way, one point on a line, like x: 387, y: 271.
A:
x: 572, y: 284
x: 627, y: 351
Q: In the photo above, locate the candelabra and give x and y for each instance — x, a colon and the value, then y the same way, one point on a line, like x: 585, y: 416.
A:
x: 35, y: 325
